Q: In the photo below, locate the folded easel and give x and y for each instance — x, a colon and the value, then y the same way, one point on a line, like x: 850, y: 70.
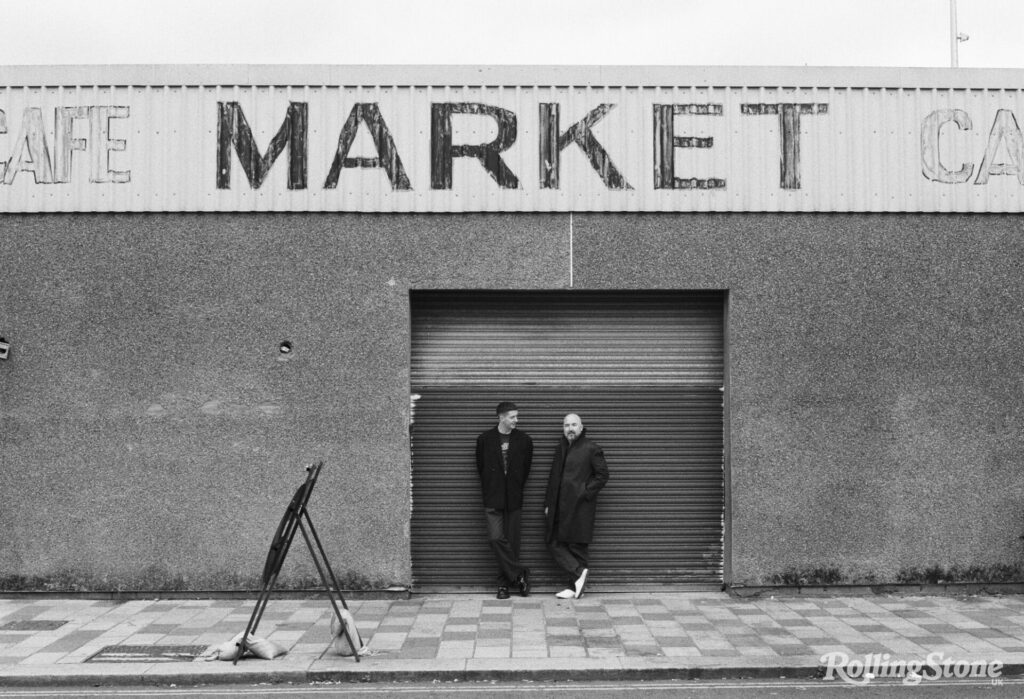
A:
x: 296, y: 518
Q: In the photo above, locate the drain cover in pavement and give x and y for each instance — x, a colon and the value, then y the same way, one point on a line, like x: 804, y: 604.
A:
x: 146, y: 654
x: 33, y: 625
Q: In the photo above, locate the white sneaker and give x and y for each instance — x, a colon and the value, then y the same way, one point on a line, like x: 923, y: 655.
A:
x: 566, y: 594
x: 580, y: 583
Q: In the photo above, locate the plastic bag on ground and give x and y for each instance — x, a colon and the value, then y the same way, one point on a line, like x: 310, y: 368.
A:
x: 340, y: 643
x: 260, y: 647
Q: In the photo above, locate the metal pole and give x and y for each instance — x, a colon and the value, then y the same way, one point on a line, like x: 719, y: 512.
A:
x: 954, y: 38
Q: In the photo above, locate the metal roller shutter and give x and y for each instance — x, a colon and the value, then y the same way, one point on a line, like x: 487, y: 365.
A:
x: 643, y: 370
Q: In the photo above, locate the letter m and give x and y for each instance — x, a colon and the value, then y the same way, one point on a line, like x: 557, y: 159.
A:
x: 233, y: 130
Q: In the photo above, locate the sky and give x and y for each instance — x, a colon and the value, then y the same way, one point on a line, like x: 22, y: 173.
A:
x: 903, y: 33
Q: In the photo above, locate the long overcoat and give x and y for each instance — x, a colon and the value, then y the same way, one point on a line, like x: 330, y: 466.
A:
x: 578, y: 473
x: 501, y: 491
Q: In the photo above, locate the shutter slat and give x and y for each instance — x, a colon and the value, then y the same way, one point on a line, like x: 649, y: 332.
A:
x: 583, y: 338
x: 644, y: 371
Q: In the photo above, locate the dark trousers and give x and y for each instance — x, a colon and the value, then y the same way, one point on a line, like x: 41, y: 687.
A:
x: 503, y: 528
x: 570, y: 557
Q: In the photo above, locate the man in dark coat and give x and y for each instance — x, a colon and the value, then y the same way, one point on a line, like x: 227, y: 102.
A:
x: 578, y: 473
x: 503, y: 459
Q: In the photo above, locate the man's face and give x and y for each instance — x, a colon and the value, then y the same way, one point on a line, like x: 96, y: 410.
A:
x: 572, y: 427
x: 508, y: 421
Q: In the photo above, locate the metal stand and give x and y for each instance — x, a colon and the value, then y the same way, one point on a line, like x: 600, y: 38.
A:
x: 296, y: 517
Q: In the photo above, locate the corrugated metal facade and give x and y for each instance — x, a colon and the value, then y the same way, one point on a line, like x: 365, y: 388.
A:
x: 644, y: 371
x: 453, y: 140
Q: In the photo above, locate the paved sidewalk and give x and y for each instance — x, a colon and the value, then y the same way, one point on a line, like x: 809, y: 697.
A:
x: 52, y: 641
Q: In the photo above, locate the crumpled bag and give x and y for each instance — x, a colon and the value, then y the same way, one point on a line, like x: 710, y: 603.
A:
x: 260, y: 647
x: 340, y: 643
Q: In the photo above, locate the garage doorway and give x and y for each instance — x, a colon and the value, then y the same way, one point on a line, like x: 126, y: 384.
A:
x: 644, y: 370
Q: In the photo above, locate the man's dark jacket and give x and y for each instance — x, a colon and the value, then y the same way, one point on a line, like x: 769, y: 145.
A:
x: 503, y: 492
x: 578, y: 473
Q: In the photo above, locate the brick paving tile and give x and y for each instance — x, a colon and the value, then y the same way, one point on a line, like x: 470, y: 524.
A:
x: 446, y: 646
x: 1008, y: 646
x: 756, y: 652
x: 851, y: 649
x: 759, y: 620
x: 425, y: 634
x: 419, y: 653
x: 532, y: 639
x: 625, y: 620
x: 614, y: 609
x: 461, y: 623
x: 989, y: 634
x: 458, y: 636
x: 386, y: 641
x: 391, y: 627
x: 729, y: 628
x: 529, y: 652
x: 951, y: 649
x: 714, y: 611
x: 793, y: 622
x: 674, y: 641
x: 567, y: 622
x: 492, y: 652
x: 711, y: 644
x: 940, y: 627
x: 926, y: 641
x: 777, y: 640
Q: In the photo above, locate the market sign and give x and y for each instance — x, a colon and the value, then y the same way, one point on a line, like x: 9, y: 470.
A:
x: 443, y: 149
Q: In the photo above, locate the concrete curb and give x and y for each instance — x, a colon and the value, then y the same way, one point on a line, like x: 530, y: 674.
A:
x: 579, y: 670
x: 567, y: 674
x: 459, y: 671
x: 882, y: 589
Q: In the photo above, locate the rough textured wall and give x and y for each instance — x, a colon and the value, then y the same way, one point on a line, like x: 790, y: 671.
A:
x: 151, y: 433
x: 875, y: 396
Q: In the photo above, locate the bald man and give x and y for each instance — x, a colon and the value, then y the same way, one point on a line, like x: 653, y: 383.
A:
x: 578, y: 473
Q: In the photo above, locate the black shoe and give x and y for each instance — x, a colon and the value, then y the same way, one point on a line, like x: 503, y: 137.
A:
x: 523, y: 581
x: 502, y: 593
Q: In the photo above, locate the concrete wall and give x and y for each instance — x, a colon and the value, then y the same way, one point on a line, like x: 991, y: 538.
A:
x: 151, y: 433
x: 875, y: 393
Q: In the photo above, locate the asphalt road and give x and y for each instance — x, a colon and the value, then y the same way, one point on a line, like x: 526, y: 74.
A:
x: 687, y: 689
